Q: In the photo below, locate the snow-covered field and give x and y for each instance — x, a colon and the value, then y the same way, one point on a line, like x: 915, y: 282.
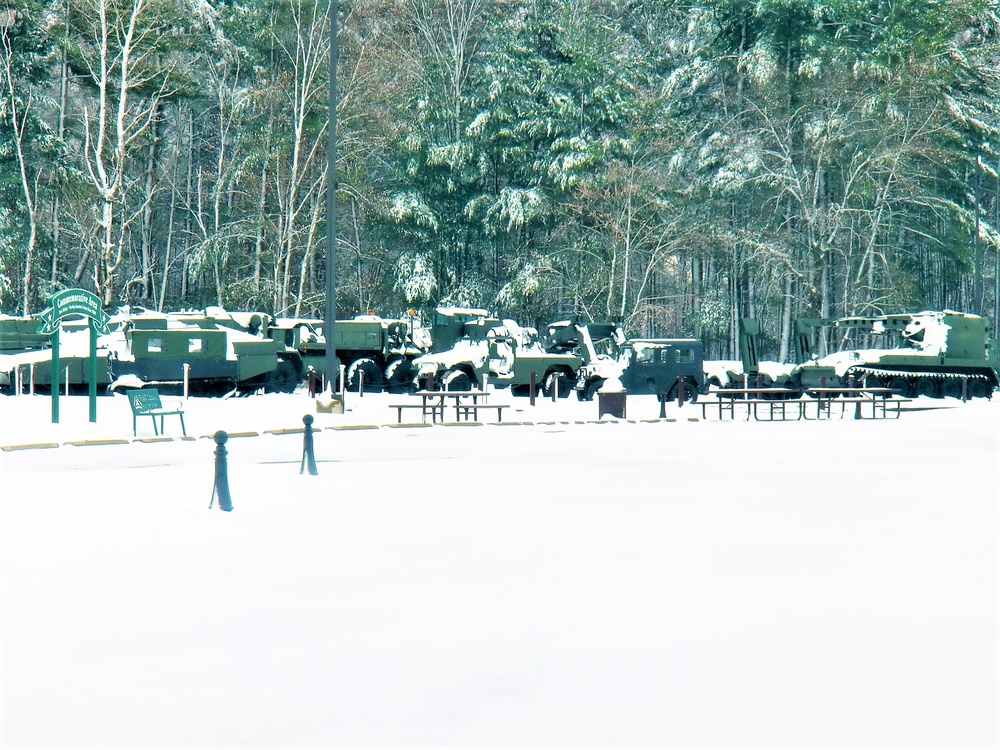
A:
x: 553, y: 584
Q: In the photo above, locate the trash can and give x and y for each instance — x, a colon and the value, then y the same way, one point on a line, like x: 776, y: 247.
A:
x: 611, y: 399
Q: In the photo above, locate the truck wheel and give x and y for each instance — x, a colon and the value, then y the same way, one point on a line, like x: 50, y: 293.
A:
x: 456, y: 380
x: 399, y: 376
x: 557, y: 380
x: 592, y: 388
x: 367, y: 371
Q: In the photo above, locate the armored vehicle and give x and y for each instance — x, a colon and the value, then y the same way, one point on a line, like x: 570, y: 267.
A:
x: 153, y: 348
x: 20, y: 334
x: 502, y: 350
x: 649, y: 366
x: 26, y: 356
x: 21, y: 347
x: 940, y: 354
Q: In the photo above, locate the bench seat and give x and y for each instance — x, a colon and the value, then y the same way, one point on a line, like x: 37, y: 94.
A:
x: 145, y: 402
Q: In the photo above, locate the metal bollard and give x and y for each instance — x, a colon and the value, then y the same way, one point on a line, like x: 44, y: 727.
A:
x: 308, y: 456
x: 663, y: 404
x: 531, y: 389
x: 221, y: 485
x: 311, y: 378
x: 680, y: 390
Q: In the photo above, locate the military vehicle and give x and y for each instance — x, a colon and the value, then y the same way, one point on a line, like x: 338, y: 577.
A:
x: 942, y: 354
x: 147, y: 347
x: 504, y: 351
x: 26, y: 356
x: 21, y: 347
x: 375, y: 351
x: 648, y: 366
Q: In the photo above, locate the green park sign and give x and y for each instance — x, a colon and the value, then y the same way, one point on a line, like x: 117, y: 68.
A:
x: 73, y: 303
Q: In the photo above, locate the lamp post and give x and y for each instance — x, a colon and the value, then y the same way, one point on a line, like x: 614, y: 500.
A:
x: 331, y: 209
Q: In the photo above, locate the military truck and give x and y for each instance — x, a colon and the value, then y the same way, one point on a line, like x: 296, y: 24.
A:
x: 502, y: 350
x: 648, y: 366
x: 375, y: 351
x: 942, y: 354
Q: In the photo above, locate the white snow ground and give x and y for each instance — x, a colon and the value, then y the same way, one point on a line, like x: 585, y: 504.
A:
x: 615, y: 584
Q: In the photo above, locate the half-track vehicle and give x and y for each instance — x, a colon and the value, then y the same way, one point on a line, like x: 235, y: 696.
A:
x: 504, y: 351
x: 648, y: 366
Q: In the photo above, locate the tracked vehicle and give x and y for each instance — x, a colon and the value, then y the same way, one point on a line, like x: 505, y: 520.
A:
x: 943, y: 354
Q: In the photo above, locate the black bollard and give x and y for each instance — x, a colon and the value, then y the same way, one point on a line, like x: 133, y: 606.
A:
x: 531, y: 388
x: 312, y: 378
x: 308, y: 457
x: 221, y: 486
x: 663, y: 405
x: 680, y: 390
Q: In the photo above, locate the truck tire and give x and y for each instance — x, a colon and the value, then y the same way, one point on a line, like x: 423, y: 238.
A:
x: 555, y: 380
x: 364, y: 370
x: 592, y: 388
x: 690, y: 392
x: 399, y: 376
x: 456, y: 380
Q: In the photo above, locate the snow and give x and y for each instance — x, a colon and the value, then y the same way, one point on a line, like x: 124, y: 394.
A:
x: 563, y: 582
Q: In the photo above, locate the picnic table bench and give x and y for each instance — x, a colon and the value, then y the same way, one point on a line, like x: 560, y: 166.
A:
x: 146, y: 402
x: 873, y: 403
x: 471, y: 411
x: 435, y: 410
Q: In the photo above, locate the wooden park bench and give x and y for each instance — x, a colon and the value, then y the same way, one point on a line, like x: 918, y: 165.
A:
x: 146, y: 403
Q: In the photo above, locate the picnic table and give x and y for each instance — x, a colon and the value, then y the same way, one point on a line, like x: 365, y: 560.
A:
x: 878, y: 403
x: 780, y: 403
x: 434, y: 403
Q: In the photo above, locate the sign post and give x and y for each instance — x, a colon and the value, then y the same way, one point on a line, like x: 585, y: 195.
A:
x: 71, y: 303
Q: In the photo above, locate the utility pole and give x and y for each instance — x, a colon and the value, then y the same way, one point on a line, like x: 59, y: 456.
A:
x: 331, y: 210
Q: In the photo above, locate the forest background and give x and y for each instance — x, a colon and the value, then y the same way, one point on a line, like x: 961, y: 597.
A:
x: 672, y: 166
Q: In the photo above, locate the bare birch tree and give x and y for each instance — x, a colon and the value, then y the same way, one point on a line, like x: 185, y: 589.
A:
x: 121, y: 53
